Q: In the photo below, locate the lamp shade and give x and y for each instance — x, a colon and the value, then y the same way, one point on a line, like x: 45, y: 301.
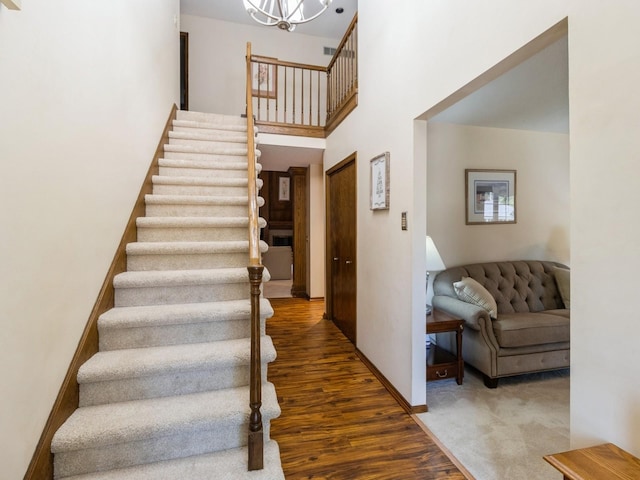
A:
x: 434, y: 260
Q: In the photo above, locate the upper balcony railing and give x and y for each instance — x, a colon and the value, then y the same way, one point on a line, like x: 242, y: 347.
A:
x: 309, y: 100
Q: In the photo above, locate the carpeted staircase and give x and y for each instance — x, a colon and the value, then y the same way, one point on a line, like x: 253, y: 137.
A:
x: 167, y: 395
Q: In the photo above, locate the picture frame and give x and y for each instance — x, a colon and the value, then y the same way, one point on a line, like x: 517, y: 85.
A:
x: 284, y: 189
x: 380, y: 169
x: 490, y: 196
x: 264, y: 80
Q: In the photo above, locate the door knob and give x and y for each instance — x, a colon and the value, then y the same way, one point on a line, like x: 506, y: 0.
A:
x: 335, y: 259
x: 348, y: 262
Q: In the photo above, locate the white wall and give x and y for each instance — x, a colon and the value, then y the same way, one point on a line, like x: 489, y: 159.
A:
x: 542, y: 193
x: 407, y: 64
x: 315, y: 231
x: 86, y: 89
x: 217, y: 50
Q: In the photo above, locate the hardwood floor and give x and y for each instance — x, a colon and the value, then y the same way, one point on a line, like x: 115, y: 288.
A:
x: 338, y: 422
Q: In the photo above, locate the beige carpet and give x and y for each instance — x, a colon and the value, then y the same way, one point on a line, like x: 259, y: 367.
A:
x: 503, y: 433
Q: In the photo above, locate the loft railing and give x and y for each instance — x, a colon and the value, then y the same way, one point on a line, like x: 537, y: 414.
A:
x: 288, y: 96
x: 255, y: 268
x: 310, y: 100
x: 342, y: 78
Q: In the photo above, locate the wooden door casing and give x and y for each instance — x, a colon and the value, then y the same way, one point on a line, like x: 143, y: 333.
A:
x: 341, y: 246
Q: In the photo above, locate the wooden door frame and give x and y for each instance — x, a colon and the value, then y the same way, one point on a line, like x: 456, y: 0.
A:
x: 299, y: 195
x: 328, y: 293
x: 184, y: 69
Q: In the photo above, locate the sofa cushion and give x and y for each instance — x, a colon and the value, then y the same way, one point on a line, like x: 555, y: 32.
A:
x: 524, y: 329
x: 563, y: 280
x: 470, y: 291
x: 516, y: 286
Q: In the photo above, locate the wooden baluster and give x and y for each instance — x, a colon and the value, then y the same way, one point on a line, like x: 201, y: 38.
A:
x: 301, y: 97
x: 319, y: 78
x: 293, y: 119
x: 285, y: 94
x: 310, y: 96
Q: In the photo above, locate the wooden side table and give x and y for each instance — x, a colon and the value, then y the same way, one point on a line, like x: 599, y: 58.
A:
x: 442, y: 364
x: 596, y: 463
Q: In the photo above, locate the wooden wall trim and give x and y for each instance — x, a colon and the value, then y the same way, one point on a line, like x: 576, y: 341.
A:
x: 411, y: 410
x: 41, y: 466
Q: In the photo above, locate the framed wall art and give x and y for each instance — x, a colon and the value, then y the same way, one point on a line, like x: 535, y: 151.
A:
x: 264, y: 80
x: 490, y: 196
x: 284, y: 184
x: 380, y: 170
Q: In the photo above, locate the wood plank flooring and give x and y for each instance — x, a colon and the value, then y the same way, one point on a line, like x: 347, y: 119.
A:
x: 338, y: 422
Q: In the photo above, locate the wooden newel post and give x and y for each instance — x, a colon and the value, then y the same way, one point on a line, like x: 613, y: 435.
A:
x: 256, y: 437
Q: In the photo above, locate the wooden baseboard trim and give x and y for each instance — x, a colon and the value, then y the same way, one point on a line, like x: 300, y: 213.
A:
x: 392, y: 390
x: 41, y: 466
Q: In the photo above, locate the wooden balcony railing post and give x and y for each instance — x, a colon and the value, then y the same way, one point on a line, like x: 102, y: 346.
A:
x: 256, y: 435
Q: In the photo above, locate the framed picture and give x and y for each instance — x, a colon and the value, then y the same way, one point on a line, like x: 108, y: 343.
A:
x: 380, y: 182
x: 490, y: 196
x: 283, y: 189
x: 264, y: 80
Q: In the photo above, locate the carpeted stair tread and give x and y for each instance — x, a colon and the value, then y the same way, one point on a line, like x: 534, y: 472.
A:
x: 157, y: 315
x: 203, y: 181
x: 213, y: 118
x: 197, y: 222
x: 186, y: 248
x: 214, y: 136
x: 178, y: 323
x: 224, y: 465
x: 204, y: 164
x: 207, y: 148
x: 102, y: 425
x: 192, y: 125
x: 145, y: 362
x: 171, y: 278
x: 154, y: 199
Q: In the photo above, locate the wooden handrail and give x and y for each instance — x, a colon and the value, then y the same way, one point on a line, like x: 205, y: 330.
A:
x: 255, y: 269
x: 282, y: 63
x: 342, y: 78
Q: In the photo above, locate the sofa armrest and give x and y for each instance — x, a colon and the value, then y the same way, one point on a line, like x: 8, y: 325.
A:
x: 471, y: 314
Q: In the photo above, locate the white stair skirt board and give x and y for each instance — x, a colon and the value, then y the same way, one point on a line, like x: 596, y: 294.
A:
x: 167, y: 394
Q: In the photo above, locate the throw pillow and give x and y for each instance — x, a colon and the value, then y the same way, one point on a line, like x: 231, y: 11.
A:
x: 471, y: 291
x: 564, y: 285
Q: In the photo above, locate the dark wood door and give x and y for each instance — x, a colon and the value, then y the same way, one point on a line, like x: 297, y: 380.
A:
x: 341, y: 246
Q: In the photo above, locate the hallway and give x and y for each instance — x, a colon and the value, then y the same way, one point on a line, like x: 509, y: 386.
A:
x: 338, y: 422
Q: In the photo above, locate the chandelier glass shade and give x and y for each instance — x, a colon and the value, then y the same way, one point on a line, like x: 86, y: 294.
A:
x: 285, y: 14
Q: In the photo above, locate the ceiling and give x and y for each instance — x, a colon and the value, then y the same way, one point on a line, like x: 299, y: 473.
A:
x: 531, y: 96
x: 329, y: 25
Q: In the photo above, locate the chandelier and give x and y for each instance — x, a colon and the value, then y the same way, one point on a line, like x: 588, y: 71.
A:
x: 285, y: 14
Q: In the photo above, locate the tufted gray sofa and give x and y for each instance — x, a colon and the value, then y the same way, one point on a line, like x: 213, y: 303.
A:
x: 531, y: 332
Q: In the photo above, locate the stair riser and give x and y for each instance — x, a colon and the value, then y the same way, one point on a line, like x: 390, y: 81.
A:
x: 180, y: 126
x: 202, y: 172
x: 137, y: 263
x: 205, y: 379
x: 207, y: 439
x: 210, y: 146
x: 198, y: 190
x: 130, y: 297
x: 216, y: 118
x: 173, y: 210
x: 210, y: 136
x: 164, y: 335
x: 208, y: 157
x: 191, y: 234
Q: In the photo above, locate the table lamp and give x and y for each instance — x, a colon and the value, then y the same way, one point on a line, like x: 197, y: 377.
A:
x: 434, y: 264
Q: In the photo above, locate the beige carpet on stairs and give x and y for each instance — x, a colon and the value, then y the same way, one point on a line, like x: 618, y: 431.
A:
x: 167, y: 395
x: 503, y: 433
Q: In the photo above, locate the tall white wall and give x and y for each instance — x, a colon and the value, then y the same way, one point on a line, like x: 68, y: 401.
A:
x: 217, y: 50
x: 315, y: 231
x: 542, y: 193
x: 409, y: 63
x: 86, y: 88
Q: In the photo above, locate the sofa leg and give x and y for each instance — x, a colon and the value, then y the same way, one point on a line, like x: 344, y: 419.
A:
x: 490, y: 382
